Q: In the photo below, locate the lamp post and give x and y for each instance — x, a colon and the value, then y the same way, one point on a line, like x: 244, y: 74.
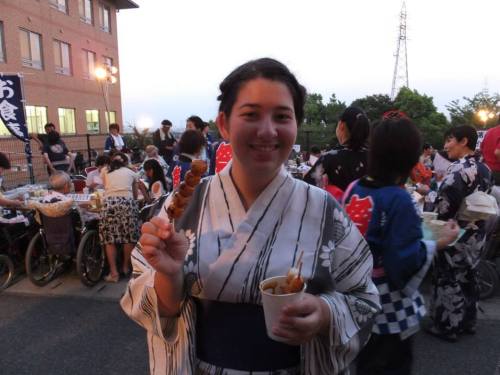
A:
x: 485, y: 115
x: 106, y: 75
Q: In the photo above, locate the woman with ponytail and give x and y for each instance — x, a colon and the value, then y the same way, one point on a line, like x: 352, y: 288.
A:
x: 345, y: 163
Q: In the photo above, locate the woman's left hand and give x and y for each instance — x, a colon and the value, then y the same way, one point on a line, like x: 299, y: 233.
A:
x: 303, y: 320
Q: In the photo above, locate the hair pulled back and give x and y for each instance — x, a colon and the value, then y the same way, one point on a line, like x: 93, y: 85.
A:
x: 261, y: 68
x: 358, y: 126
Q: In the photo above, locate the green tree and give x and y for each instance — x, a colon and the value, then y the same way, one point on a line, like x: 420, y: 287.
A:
x: 468, y: 113
x: 421, y: 109
x: 313, y: 109
x: 374, y: 105
x: 333, y: 110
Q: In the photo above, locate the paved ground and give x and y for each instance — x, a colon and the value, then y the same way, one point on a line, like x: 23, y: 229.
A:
x: 66, y: 328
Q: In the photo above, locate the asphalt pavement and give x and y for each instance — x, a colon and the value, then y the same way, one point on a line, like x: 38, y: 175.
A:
x: 65, y: 328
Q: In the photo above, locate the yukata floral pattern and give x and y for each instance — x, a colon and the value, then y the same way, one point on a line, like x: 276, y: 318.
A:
x: 455, y: 291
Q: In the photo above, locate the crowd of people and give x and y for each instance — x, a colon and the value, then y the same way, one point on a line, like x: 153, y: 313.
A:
x: 354, y: 219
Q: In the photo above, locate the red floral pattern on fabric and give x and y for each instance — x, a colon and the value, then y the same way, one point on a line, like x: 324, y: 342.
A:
x: 176, y: 176
x: 360, y: 212
x: 223, y: 155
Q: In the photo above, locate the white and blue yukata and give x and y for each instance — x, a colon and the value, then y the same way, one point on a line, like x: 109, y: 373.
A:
x: 387, y: 217
x: 220, y: 328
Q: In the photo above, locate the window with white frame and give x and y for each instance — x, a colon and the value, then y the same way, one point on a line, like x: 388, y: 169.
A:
x: 111, y: 117
x: 60, y: 5
x: 62, y: 59
x: 85, y: 9
x: 92, y: 119
x: 67, y: 120
x: 36, y: 118
x: 108, y: 61
x: 4, y: 132
x: 2, y: 44
x: 105, y: 18
x: 88, y: 64
x: 31, y: 49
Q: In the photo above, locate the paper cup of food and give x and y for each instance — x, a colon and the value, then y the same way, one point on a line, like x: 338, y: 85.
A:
x: 429, y: 216
x: 436, y: 226
x: 276, y: 293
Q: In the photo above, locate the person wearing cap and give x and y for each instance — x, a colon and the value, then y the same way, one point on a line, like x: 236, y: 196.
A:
x: 165, y: 141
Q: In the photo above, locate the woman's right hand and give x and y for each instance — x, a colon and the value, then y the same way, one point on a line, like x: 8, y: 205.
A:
x: 163, y: 248
x: 448, y: 234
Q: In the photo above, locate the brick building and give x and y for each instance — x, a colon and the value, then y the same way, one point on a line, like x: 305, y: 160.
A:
x: 57, y: 44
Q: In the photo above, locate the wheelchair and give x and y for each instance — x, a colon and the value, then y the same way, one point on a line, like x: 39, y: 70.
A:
x: 60, y: 241
x: 14, y: 238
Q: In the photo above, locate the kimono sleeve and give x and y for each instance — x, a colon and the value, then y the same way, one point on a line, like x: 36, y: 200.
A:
x: 450, y: 196
x: 353, y: 304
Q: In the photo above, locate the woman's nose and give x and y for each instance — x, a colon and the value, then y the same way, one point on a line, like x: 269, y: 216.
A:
x: 267, y: 127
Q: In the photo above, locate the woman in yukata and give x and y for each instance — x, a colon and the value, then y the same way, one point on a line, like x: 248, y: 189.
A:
x: 195, y: 285
x: 346, y: 162
x: 455, y: 289
x: 386, y: 215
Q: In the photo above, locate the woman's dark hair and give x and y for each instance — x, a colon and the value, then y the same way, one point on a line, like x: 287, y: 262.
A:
x: 199, y: 124
x: 426, y: 146
x: 114, y: 126
x: 315, y: 150
x: 191, y: 142
x: 395, y: 147
x: 53, y: 137
x: 358, y: 126
x: 461, y: 132
x: 262, y: 68
x: 158, y: 174
x: 49, y: 125
x: 102, y: 160
x: 4, y: 161
x: 118, y: 160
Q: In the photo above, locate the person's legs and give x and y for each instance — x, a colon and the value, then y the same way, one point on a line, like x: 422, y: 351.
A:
x: 471, y: 295
x: 385, y: 355
x: 111, y: 256
x: 127, y: 251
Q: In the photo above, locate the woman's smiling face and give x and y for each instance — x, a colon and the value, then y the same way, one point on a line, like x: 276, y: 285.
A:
x: 261, y: 128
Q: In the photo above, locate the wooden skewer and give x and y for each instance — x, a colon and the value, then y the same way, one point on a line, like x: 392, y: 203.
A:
x: 299, y: 260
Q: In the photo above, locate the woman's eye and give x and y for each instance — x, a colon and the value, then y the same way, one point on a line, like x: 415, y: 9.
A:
x: 250, y: 115
x: 283, y: 117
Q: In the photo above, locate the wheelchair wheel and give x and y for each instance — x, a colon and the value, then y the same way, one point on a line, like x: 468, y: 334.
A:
x: 41, y: 266
x: 90, y: 258
x: 487, y: 278
x: 6, y: 271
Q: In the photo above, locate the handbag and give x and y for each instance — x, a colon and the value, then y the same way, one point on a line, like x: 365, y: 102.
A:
x: 478, y: 206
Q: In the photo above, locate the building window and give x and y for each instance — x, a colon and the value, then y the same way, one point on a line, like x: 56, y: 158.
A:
x: 92, y: 119
x: 31, y: 49
x: 60, y: 5
x: 88, y: 64
x: 66, y: 120
x: 85, y: 8
x: 36, y: 118
x: 62, y: 58
x: 2, y: 44
x: 111, y: 117
x: 105, y: 18
x: 108, y: 61
x: 4, y: 132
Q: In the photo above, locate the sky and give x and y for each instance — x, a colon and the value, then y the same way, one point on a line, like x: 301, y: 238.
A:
x: 174, y: 54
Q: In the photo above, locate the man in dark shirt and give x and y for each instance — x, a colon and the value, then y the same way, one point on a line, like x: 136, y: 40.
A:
x: 165, y: 141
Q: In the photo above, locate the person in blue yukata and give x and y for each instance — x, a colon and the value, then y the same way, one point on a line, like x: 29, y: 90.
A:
x: 387, y: 217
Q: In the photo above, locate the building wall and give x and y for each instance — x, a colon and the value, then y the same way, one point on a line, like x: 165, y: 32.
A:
x: 46, y: 87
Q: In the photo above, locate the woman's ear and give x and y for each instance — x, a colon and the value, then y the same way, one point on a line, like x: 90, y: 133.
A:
x: 222, y: 125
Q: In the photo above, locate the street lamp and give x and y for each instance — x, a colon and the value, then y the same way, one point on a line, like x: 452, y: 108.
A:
x: 106, y: 76
x: 485, y: 115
